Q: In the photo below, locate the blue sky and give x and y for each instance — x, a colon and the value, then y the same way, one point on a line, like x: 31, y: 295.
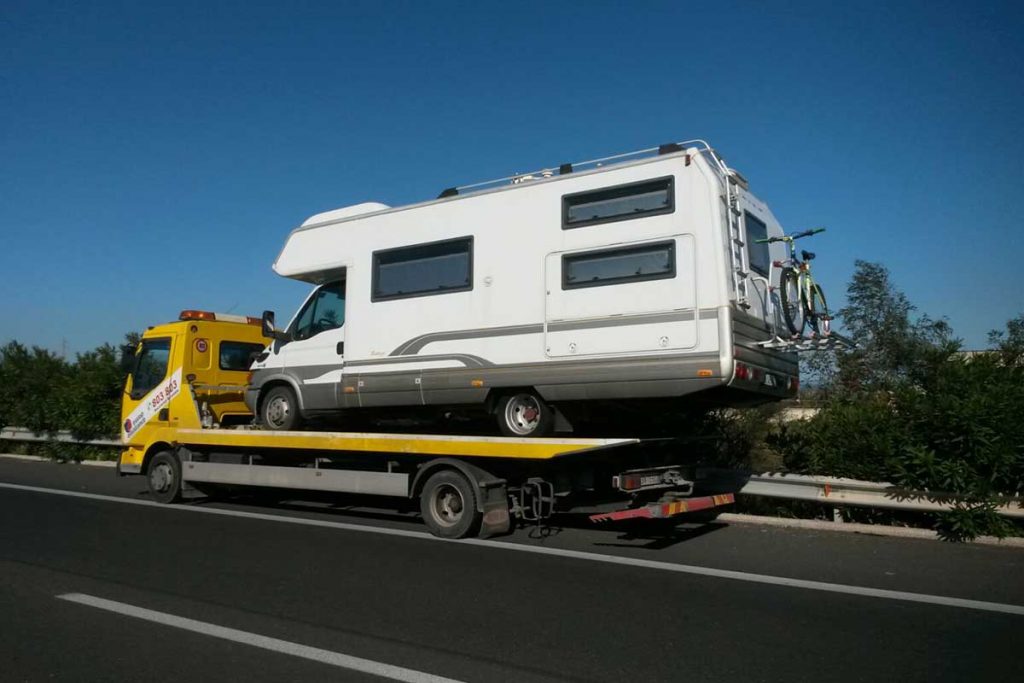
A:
x: 154, y: 156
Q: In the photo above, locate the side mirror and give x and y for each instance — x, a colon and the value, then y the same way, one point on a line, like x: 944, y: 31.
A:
x: 267, y: 324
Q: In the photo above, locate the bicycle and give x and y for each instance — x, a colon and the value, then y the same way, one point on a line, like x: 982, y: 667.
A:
x: 803, y: 301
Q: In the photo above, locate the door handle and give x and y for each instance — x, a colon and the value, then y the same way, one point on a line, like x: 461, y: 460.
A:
x: 341, y: 348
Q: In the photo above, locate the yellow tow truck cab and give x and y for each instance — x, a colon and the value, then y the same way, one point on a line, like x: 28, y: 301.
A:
x: 186, y: 428
x: 199, y: 361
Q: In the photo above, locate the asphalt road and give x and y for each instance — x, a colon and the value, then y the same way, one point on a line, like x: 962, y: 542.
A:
x: 98, y: 588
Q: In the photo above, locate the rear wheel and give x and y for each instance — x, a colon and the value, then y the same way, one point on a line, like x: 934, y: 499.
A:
x: 164, y: 477
x: 792, y: 307
x: 279, y: 410
x: 817, y: 311
x: 524, y: 414
x: 448, y: 505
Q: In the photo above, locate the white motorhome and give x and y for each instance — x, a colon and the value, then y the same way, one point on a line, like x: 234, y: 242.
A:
x: 551, y: 299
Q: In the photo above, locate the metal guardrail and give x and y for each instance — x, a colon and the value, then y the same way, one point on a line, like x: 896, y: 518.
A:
x: 834, y: 491
x: 22, y: 434
x: 838, y: 491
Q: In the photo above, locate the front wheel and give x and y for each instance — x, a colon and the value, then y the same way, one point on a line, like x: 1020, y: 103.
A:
x: 792, y: 306
x: 817, y: 311
x: 279, y: 410
x: 164, y: 477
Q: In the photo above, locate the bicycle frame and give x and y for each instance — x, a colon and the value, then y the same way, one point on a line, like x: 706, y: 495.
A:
x: 802, y: 271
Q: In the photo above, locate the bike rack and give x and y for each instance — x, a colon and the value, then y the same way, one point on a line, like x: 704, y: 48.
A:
x: 827, y: 342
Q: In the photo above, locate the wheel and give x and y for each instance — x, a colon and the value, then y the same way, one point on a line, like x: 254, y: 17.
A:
x: 448, y: 505
x: 792, y: 307
x: 817, y: 311
x: 279, y: 410
x: 164, y: 477
x: 524, y: 414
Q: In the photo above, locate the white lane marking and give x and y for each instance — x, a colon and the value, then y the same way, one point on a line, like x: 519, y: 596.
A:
x: 805, y: 584
x: 368, y: 666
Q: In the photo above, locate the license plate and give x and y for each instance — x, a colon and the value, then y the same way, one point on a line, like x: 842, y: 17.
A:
x: 769, y: 380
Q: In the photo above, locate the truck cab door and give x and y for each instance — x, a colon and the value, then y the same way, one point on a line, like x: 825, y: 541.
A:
x: 316, y: 355
x: 149, y: 388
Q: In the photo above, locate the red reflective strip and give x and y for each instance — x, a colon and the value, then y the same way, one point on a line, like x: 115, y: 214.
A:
x: 621, y: 514
x: 666, y: 509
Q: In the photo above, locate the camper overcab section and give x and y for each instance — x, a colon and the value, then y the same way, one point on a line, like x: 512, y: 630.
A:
x: 548, y: 299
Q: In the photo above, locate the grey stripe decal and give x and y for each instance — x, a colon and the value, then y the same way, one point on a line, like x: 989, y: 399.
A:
x: 469, y: 360
x: 416, y: 343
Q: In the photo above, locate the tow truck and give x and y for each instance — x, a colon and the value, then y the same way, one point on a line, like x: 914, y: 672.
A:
x: 186, y: 427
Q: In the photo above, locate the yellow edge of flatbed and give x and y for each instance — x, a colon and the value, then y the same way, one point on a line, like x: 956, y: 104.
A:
x: 411, y: 444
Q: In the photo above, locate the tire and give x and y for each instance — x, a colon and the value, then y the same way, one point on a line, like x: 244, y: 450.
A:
x: 524, y: 414
x: 164, y: 477
x: 279, y: 410
x: 792, y: 306
x: 817, y: 311
x: 448, y: 505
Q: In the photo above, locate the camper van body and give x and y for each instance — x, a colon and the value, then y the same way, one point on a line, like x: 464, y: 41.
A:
x: 636, y: 278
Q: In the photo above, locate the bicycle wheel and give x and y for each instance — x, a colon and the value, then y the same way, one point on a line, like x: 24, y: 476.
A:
x: 792, y: 307
x: 817, y: 311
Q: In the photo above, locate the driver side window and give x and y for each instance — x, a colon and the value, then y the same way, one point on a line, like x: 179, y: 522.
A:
x: 325, y: 311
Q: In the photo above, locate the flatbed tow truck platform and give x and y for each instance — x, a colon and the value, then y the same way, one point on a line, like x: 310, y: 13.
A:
x: 184, y: 424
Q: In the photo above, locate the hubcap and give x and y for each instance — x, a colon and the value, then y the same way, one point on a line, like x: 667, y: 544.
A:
x: 522, y: 414
x: 161, y: 477
x: 277, y: 411
x: 448, y: 505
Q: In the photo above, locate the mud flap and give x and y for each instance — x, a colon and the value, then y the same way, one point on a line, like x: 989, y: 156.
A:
x: 496, y: 519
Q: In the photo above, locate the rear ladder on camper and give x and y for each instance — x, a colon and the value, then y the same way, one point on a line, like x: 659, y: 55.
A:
x: 736, y: 241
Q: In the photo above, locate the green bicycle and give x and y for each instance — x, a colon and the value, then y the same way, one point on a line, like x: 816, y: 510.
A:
x: 803, y: 301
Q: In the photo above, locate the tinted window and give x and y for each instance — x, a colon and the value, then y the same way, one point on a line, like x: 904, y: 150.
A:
x: 760, y: 261
x: 616, y: 266
x: 238, y: 355
x: 150, y: 366
x: 647, y: 198
x: 324, y: 311
x: 423, y: 269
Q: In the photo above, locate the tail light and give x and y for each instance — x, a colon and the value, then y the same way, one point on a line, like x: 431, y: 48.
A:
x: 743, y: 371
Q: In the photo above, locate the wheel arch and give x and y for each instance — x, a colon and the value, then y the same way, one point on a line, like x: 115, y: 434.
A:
x: 281, y: 380
x: 478, y: 477
x: 153, y: 449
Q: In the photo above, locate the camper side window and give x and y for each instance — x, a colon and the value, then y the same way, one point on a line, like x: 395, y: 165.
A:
x: 619, y: 203
x: 619, y: 266
x: 760, y: 260
x: 423, y: 269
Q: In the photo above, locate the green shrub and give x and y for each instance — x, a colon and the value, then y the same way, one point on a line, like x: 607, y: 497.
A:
x: 42, y: 392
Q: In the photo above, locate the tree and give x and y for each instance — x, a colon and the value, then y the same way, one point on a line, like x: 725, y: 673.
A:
x: 91, y: 404
x: 1009, y: 343
x: 891, y: 344
x: 906, y: 408
x: 31, y: 386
